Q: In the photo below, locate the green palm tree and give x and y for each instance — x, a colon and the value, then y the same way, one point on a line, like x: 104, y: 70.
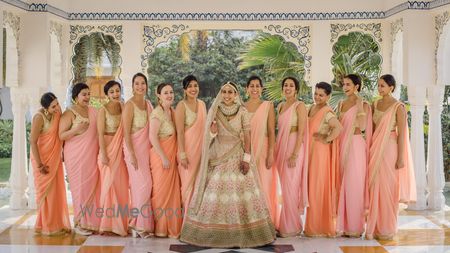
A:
x: 356, y: 53
x: 278, y: 59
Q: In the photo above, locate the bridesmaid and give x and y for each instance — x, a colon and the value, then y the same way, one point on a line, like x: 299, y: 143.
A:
x: 137, y: 157
x: 190, y: 116
x: 113, y: 170
x: 292, y: 158
x: 391, y: 172
x: 46, y: 148
x: 356, y: 119
x: 262, y: 124
x: 78, y: 129
x: 324, y: 127
x: 166, y: 195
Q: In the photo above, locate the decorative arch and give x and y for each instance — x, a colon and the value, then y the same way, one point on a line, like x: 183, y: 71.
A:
x: 397, y: 53
x: 56, y: 60
x: 79, y: 33
x: 443, y: 48
x: 11, y: 23
x: 344, y: 32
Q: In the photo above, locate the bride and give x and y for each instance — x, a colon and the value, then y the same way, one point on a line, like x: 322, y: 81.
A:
x: 227, y: 208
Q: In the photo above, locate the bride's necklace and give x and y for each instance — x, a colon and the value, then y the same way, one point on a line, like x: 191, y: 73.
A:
x: 229, y: 110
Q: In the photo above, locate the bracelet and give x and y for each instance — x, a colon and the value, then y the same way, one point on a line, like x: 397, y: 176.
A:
x: 212, y: 135
x: 246, y: 158
x: 361, y: 114
x: 182, y: 155
x: 294, y: 155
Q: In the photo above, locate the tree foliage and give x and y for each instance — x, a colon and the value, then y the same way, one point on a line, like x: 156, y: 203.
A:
x: 213, y: 58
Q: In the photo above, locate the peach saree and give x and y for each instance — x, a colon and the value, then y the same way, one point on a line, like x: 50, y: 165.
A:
x: 193, y: 139
x: 322, y: 180
x: 53, y: 215
x: 166, y: 195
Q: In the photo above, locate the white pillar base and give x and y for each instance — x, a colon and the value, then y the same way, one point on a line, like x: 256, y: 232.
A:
x: 19, y: 161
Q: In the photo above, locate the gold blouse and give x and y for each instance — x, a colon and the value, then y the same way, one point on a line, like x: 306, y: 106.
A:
x: 47, y: 123
x: 325, y: 127
x: 378, y: 115
x: 294, y: 118
x: 78, y: 119
x: 166, y: 128
x: 189, y: 116
x: 139, y: 118
x: 111, y: 122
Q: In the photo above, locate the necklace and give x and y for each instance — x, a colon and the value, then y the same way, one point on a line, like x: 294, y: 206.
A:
x: 229, y: 110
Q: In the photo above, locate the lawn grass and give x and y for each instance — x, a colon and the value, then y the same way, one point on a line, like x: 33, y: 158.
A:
x: 5, y: 169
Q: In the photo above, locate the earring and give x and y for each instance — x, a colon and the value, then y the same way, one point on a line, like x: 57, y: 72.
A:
x: 45, y: 112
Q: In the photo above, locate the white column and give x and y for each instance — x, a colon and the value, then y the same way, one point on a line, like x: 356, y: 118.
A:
x: 34, y: 107
x: 418, y: 153
x: 131, y: 57
x: 418, y: 72
x: 18, y: 177
x: 435, y: 161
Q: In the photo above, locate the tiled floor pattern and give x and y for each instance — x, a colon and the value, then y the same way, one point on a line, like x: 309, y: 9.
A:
x: 424, y: 231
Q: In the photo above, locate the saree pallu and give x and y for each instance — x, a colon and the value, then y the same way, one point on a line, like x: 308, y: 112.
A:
x: 80, y: 158
x: 294, y: 181
x: 387, y: 185
x: 53, y: 215
x: 114, y: 186
x: 322, y: 181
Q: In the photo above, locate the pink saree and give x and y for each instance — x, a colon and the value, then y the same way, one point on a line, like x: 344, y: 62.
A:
x: 353, y: 173
x: 141, y: 180
x: 80, y: 158
x: 294, y: 181
x: 388, y: 185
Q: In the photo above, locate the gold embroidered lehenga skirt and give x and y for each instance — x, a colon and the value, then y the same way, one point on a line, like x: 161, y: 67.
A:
x: 232, y: 213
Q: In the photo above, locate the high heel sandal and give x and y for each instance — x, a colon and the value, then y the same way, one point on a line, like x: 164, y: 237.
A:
x: 139, y: 234
x: 82, y: 231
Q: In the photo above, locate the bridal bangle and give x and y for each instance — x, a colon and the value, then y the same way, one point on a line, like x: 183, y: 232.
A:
x: 246, y: 158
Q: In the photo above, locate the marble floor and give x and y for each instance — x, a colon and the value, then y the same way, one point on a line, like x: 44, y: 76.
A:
x: 423, y: 231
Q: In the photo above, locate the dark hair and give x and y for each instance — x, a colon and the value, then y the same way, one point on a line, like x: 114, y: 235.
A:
x: 297, y: 84
x: 389, y: 79
x: 187, y: 80
x: 77, y: 88
x: 161, y: 86
x: 356, y: 80
x: 325, y: 86
x: 254, y: 78
x: 46, y: 99
x: 139, y: 74
x: 109, y: 85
